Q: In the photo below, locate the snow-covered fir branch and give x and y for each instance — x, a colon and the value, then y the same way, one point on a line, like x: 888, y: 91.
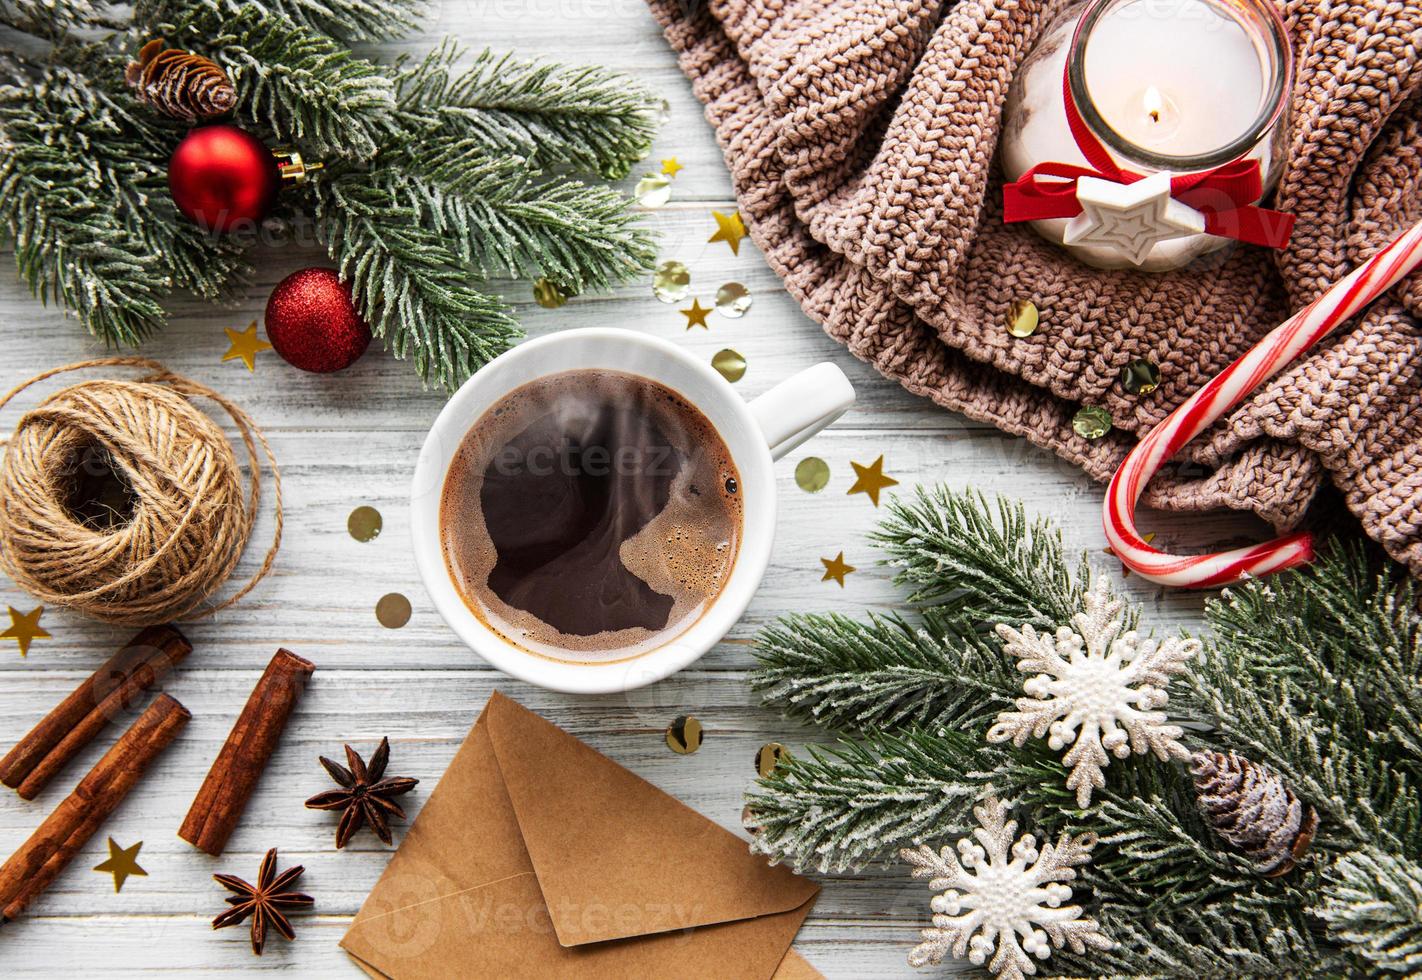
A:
x: 439, y: 173
x: 1316, y: 674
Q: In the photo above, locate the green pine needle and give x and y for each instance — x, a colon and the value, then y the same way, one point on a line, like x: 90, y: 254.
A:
x: 1372, y: 904
x: 1218, y: 941
x: 984, y: 561
x: 589, y: 120
x: 349, y: 20
x: 63, y: 187
x: 1340, y: 642
x: 406, y: 281
x: 857, y: 802
x: 1316, y: 673
x: 504, y: 219
x: 883, y: 674
x: 305, y: 88
x: 55, y: 19
x: 436, y: 176
x: 85, y: 198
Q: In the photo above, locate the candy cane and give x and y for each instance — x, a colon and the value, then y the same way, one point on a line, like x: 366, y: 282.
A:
x: 1223, y: 392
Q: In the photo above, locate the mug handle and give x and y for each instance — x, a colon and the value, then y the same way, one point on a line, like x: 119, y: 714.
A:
x: 802, y: 405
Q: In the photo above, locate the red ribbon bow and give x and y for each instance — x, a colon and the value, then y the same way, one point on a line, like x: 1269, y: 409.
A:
x: 1224, y: 195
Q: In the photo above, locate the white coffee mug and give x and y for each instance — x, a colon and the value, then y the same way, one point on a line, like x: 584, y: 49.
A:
x: 756, y: 433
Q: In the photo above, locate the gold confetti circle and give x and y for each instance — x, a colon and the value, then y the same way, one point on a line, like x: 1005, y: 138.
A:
x: 771, y: 754
x: 1022, y: 318
x: 653, y: 190
x: 684, y: 735
x: 548, y: 294
x: 1140, y: 377
x: 730, y: 363
x: 393, y: 611
x: 672, y: 282
x: 365, y: 523
x: 733, y: 300
x: 812, y: 474
x: 1091, y: 422
x: 750, y: 821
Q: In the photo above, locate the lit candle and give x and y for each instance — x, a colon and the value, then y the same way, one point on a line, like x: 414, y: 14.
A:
x: 1167, y: 86
x: 1155, y: 106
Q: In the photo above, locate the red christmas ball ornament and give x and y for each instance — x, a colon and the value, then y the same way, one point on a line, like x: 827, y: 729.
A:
x: 313, y: 324
x: 222, y: 177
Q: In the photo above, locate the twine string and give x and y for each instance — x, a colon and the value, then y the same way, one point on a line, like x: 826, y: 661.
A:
x: 192, y: 518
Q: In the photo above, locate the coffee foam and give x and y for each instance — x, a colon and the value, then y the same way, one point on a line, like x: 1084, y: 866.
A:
x: 687, y: 551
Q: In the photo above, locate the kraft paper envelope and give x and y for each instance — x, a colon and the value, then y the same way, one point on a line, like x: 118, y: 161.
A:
x: 537, y: 856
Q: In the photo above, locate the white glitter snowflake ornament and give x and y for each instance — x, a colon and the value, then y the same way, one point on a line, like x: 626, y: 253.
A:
x: 1003, y: 899
x: 1096, y: 689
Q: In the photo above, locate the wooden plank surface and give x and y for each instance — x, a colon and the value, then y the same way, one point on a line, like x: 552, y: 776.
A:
x: 352, y: 439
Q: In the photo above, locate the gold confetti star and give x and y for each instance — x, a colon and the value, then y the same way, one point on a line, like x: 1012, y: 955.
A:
x: 871, y: 479
x: 729, y: 229
x: 671, y: 167
x: 245, y: 346
x: 25, y: 627
x: 122, y: 863
x: 836, y: 569
x: 696, y: 316
x: 1126, y: 572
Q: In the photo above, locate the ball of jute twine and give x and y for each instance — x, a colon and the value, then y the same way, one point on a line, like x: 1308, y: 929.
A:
x: 190, y: 513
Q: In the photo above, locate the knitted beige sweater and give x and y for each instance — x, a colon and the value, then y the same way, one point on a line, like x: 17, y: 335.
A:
x: 860, y: 137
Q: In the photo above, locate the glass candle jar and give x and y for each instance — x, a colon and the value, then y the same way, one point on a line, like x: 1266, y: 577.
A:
x: 1167, y: 87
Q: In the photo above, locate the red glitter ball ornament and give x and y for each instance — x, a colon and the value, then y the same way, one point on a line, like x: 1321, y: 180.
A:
x: 313, y: 324
x: 223, y: 177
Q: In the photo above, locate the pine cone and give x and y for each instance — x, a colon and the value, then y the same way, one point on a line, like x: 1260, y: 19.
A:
x: 180, y: 84
x: 1251, y: 807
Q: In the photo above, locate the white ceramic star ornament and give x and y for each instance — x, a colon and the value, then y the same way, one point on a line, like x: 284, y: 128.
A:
x: 1130, y: 218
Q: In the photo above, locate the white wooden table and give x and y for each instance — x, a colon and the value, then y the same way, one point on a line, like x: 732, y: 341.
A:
x: 352, y: 439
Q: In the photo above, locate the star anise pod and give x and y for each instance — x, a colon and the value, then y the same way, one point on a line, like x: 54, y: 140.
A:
x: 365, y: 795
x: 268, y: 902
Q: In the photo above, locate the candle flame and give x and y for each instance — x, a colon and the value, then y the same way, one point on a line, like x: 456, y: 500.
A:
x: 1154, y: 103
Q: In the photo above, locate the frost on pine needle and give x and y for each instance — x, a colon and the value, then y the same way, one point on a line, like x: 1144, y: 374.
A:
x: 439, y: 175
x: 1314, y: 674
x: 1002, y: 897
x: 1096, y: 689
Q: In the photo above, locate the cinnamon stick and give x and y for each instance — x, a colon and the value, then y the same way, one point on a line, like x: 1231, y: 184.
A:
x: 41, y: 858
x: 234, y: 774
x: 53, y: 743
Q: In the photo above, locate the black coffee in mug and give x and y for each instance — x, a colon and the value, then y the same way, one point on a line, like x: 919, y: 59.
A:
x: 591, y: 516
